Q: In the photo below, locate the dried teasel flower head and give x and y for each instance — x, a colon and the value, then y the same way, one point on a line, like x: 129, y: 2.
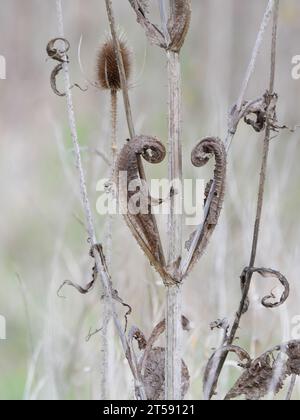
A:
x: 108, y: 75
x: 179, y: 23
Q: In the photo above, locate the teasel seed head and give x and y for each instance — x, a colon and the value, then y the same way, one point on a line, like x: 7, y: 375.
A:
x: 108, y: 75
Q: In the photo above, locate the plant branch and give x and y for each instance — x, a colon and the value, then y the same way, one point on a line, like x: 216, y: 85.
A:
x: 173, y: 300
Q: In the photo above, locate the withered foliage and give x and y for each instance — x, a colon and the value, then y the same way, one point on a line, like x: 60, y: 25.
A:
x: 142, y: 225
x: 98, y: 249
x: 178, y: 24
x: 267, y: 373
x: 201, y: 154
x: 152, y: 362
x: 60, y: 55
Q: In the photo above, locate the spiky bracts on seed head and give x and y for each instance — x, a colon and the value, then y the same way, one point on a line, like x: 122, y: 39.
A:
x: 108, y: 75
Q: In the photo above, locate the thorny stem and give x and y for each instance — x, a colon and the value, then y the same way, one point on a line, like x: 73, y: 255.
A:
x: 173, y: 303
x: 232, y: 125
x: 102, y: 271
x: 105, y: 386
x: 260, y: 201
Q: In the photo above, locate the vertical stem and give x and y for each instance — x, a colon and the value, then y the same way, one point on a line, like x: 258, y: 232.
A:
x: 291, y: 388
x: 106, y: 313
x: 173, y: 310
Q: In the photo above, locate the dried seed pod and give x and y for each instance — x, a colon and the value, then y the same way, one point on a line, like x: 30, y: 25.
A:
x: 108, y: 74
x: 179, y: 24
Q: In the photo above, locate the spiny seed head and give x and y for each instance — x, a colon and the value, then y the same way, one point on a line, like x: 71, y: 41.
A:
x: 107, y: 67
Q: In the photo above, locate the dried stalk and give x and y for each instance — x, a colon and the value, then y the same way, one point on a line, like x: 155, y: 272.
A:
x: 262, y: 181
x: 99, y: 260
x: 106, y: 315
x: 173, y: 298
x: 291, y: 388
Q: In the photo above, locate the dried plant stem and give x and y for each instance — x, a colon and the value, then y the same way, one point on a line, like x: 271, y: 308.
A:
x: 102, y: 270
x: 234, y: 120
x: 106, y: 313
x: 257, y: 47
x: 260, y: 202
x: 173, y: 304
x: 291, y: 388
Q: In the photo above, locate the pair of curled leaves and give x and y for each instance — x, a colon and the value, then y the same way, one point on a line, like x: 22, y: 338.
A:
x: 215, y: 191
x: 268, y: 273
x: 135, y: 201
x: 60, y: 55
x: 151, y: 366
x: 178, y: 24
x: 97, y: 249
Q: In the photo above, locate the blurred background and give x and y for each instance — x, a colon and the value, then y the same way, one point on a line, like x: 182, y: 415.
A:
x: 43, y: 242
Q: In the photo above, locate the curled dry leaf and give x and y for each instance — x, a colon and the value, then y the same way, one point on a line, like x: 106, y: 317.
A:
x: 267, y: 272
x: 256, y: 381
x: 56, y: 54
x: 84, y: 290
x: 61, y: 56
x: 135, y: 201
x: 245, y: 361
x: 201, y: 154
x: 268, y: 371
x: 152, y: 363
x: 292, y: 350
x: 154, y: 376
x: 256, y: 113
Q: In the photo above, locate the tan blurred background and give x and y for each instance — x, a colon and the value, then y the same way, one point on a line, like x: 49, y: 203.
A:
x: 42, y: 243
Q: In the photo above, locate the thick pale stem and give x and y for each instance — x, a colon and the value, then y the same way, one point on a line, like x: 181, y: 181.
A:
x: 173, y: 310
